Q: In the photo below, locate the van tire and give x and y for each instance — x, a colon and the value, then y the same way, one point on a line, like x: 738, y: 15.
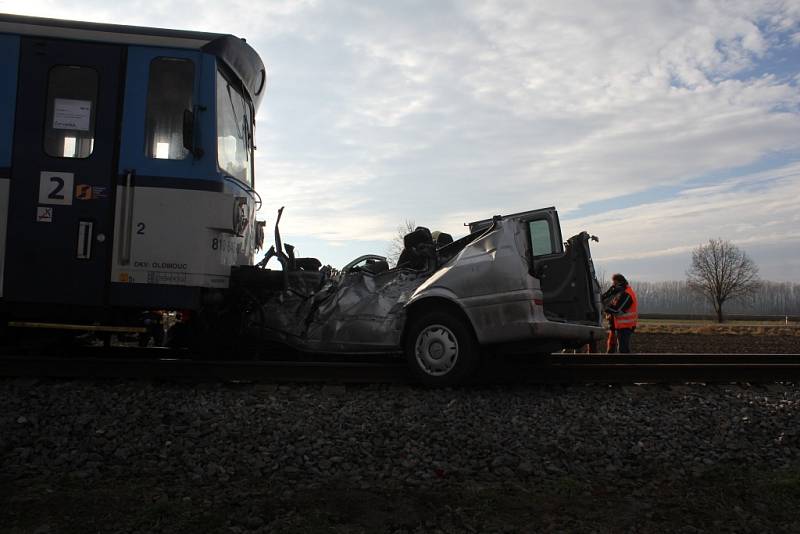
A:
x: 440, y: 349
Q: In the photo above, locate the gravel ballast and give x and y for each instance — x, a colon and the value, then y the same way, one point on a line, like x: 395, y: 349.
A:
x: 135, y: 457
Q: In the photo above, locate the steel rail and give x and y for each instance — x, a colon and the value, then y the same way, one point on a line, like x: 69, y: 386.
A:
x: 202, y: 370
x: 673, y: 358
x: 556, y: 368
x: 662, y: 373
x: 662, y: 368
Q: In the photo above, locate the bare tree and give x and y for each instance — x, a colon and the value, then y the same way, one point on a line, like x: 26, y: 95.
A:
x: 721, y: 271
x: 396, y: 245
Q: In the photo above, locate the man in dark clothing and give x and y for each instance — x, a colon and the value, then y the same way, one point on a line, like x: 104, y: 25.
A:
x: 622, y: 308
x: 609, y: 299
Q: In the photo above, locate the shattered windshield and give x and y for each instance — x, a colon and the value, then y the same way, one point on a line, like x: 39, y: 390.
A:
x: 234, y: 131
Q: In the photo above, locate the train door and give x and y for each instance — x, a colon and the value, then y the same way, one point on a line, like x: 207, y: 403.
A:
x: 60, y: 224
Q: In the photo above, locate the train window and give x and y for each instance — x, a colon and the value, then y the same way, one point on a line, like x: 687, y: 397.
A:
x: 541, y: 240
x: 169, y: 93
x: 234, y: 131
x: 71, y: 99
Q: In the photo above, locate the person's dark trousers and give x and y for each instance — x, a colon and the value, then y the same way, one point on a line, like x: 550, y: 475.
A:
x: 611, y: 342
x: 624, y: 336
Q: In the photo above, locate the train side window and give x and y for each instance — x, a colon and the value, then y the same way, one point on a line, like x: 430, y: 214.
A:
x: 169, y: 93
x: 541, y: 237
x: 71, y: 103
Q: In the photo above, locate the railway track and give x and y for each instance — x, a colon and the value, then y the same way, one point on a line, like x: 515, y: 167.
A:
x: 165, y: 364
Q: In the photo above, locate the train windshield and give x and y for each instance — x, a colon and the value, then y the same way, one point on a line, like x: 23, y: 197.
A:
x: 234, y: 130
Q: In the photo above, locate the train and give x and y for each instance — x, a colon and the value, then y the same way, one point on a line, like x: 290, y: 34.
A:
x: 127, y: 180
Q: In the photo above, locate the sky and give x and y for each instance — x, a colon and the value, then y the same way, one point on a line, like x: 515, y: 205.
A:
x: 655, y: 125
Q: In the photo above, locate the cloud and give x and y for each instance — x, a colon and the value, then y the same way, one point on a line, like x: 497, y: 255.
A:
x: 509, y: 99
x: 755, y: 209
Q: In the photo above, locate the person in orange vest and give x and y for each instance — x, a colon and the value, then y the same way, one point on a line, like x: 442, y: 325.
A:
x: 623, y: 311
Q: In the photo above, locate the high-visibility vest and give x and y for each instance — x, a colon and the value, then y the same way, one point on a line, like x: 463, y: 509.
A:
x: 630, y: 318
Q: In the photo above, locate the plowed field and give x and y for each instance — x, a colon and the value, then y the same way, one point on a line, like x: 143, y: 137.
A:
x: 716, y: 343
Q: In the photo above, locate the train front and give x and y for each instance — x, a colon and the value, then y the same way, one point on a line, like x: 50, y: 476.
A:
x: 126, y: 170
x: 185, y: 205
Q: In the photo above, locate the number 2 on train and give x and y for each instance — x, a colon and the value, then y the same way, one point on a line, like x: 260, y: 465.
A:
x: 56, y: 187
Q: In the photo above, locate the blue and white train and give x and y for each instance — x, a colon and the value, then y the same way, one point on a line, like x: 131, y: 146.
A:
x: 126, y: 169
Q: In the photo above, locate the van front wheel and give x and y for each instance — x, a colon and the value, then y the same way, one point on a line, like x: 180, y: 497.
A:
x: 441, y: 349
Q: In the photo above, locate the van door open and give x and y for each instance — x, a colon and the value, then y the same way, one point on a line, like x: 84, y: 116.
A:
x: 565, y: 270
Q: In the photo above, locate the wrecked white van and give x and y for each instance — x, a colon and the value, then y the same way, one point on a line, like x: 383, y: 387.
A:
x: 511, y: 284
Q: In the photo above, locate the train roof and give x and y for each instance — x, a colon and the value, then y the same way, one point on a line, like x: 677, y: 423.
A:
x: 233, y: 51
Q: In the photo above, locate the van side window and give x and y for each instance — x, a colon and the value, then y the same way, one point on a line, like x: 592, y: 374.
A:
x: 169, y: 93
x: 71, y: 99
x: 541, y: 237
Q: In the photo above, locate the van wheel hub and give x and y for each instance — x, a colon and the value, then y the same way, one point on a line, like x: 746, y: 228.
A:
x: 436, y: 350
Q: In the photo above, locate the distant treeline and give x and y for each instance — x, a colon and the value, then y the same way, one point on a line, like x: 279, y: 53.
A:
x: 773, y: 298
